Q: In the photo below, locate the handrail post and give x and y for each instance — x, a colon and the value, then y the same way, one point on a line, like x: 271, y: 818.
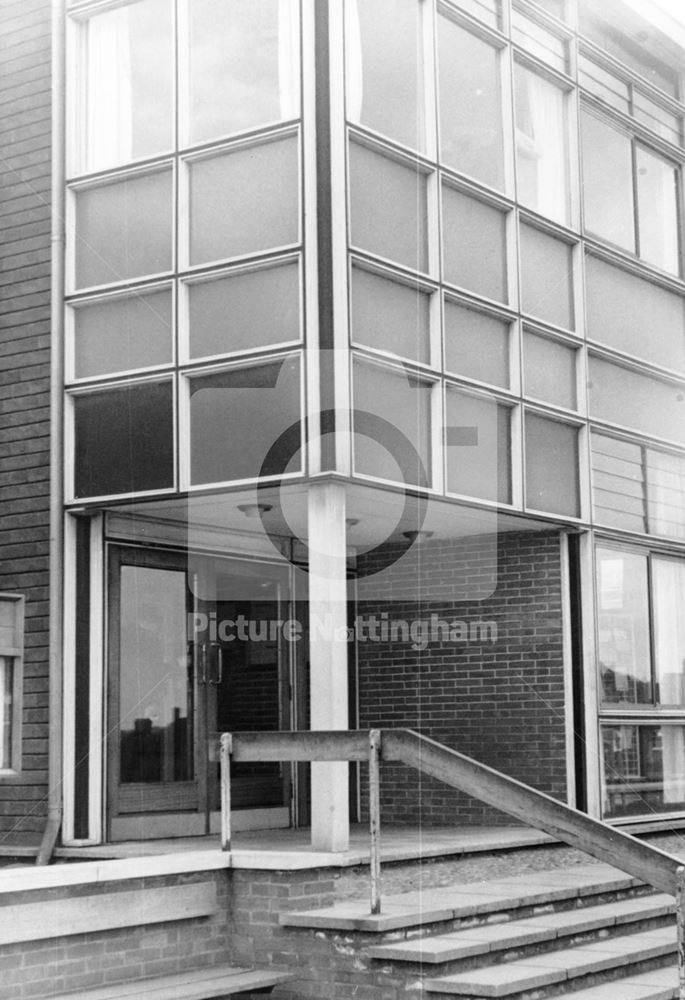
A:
x: 225, y: 758
x: 680, y: 917
x: 375, y: 817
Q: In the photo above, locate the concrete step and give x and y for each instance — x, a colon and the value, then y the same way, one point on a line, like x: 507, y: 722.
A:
x: 543, y: 929
x: 659, y: 984
x: 537, y: 972
x: 469, y: 900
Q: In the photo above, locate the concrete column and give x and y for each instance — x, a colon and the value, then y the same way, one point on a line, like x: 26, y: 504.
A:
x: 328, y: 658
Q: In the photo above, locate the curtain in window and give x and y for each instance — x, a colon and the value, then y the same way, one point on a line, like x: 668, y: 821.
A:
x: 108, y: 81
x: 540, y: 145
x: 353, y: 61
x: 288, y: 62
x: 657, y: 210
x: 669, y: 629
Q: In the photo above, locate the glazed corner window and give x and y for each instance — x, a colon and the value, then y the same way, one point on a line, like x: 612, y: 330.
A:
x: 243, y: 66
x: 11, y: 664
x: 541, y: 145
x: 127, y: 83
x: 384, y: 68
x: 123, y: 440
x: 630, y: 194
x: 245, y: 422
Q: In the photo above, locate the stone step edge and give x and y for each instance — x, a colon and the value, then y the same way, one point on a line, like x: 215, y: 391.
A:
x: 534, y: 974
x: 395, y: 914
x: 465, y: 944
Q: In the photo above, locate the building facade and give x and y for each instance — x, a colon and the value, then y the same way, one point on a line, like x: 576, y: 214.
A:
x: 368, y: 392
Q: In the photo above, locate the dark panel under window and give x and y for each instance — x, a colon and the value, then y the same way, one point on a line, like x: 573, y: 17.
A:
x: 552, y: 466
x: 124, y: 440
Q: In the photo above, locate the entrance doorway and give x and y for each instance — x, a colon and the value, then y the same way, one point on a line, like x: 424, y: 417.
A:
x: 196, y: 647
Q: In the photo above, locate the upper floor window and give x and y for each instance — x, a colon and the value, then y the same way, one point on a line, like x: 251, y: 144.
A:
x: 541, y: 144
x: 630, y: 193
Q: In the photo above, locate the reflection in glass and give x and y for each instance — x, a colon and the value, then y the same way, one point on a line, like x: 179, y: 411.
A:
x: 608, y: 182
x: 384, y: 68
x: 156, y: 680
x: 124, y: 228
x: 666, y: 480
x: 541, y: 145
x: 623, y: 627
x: 244, y: 200
x: 129, y: 83
x: 643, y: 770
x: 122, y: 333
x: 244, y: 65
x: 668, y: 580
x: 618, y: 483
x: 470, y: 104
x: 237, y: 416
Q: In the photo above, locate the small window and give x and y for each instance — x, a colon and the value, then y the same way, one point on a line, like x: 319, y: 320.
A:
x: 388, y: 207
x: 11, y: 680
x: 623, y: 628
x: 244, y: 200
x: 123, y: 228
x: 476, y: 344
x: 390, y: 315
x: 549, y: 370
x: 474, y: 245
x: 478, y: 447
x: 551, y: 466
x: 384, y: 68
x: 244, y: 310
x: 546, y: 277
x: 122, y: 333
x: 540, y: 42
x: 471, y: 136
x: 123, y: 440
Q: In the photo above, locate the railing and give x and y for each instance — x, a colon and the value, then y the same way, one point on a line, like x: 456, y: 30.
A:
x: 603, y: 842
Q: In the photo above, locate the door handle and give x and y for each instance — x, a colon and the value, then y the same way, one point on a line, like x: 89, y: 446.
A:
x: 219, y: 665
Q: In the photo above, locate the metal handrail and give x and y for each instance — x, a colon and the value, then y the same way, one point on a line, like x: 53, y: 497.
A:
x: 605, y: 843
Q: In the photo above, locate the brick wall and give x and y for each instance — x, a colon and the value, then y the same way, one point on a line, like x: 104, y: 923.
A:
x: 24, y: 381
x: 500, y: 702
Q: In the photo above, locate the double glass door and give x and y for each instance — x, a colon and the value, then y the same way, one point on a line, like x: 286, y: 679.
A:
x: 196, y: 647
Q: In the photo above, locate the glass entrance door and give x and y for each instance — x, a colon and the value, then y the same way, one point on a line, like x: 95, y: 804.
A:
x: 196, y: 647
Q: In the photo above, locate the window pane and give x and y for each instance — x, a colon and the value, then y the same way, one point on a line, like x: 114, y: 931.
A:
x: 128, y: 84
x: 555, y: 7
x: 237, y: 416
x: 388, y: 208
x: 538, y: 41
x: 244, y: 65
x: 624, y: 311
x: 478, y: 445
x: 623, y: 627
x: 485, y: 10
x: 541, y: 145
x: 668, y: 580
x: 124, y: 440
x: 244, y: 201
x: 608, y: 182
x: 598, y: 24
x: 245, y: 310
x: 474, y: 247
x: 666, y: 481
x: 549, y: 370
x: 626, y: 397
x: 476, y: 345
x: 551, y: 466
x: 384, y: 68
x: 657, y: 209
x: 392, y: 425
x: 6, y: 685
x: 604, y: 84
x: 546, y: 277
x: 123, y: 229
x: 643, y: 770
x: 618, y: 486
x: 470, y: 104
x: 132, y: 331
x: 665, y: 123
x: 390, y: 316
